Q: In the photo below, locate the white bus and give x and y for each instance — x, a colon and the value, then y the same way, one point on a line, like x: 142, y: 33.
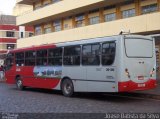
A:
x: 120, y: 63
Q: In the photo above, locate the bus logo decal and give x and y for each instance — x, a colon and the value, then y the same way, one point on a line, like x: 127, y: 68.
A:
x: 47, y: 72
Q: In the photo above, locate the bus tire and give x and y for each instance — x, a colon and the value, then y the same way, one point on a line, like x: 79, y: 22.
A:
x: 67, y: 88
x: 19, y: 83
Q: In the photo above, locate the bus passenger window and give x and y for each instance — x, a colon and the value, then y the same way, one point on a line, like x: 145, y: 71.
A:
x: 108, y: 53
x: 19, y: 58
x: 55, y: 56
x: 41, y: 58
x: 72, y: 55
x: 91, y: 54
x: 30, y: 58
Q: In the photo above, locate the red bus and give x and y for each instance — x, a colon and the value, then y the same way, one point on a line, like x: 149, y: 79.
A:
x: 106, y: 64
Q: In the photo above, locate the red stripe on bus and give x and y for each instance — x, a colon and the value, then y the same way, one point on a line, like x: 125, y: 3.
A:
x: 28, y: 78
x: 132, y: 86
x: 34, y: 48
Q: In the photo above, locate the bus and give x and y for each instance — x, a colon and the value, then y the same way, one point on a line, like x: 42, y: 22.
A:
x: 121, y: 63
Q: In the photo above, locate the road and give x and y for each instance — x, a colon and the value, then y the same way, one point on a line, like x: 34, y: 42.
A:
x: 48, y: 101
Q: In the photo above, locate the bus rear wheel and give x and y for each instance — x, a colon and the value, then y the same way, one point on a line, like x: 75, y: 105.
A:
x: 67, y: 88
x: 19, y: 83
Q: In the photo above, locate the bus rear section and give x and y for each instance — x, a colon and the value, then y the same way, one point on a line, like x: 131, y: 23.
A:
x: 139, y: 64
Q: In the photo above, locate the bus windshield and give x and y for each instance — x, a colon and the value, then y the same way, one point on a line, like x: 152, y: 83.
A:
x: 139, y: 48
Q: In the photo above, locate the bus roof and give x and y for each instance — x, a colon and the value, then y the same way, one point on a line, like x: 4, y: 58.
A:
x: 78, y: 42
x: 100, y: 39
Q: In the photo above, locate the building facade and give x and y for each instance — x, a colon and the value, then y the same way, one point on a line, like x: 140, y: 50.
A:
x: 9, y: 33
x: 66, y: 20
x: 20, y: 9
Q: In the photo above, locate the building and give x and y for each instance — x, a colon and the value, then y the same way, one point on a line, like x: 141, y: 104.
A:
x: 20, y: 9
x: 67, y: 20
x: 9, y: 33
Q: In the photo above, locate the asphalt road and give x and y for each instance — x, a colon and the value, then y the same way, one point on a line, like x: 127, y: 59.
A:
x: 49, y: 101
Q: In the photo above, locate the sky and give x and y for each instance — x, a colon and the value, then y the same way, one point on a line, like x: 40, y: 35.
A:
x: 6, y: 6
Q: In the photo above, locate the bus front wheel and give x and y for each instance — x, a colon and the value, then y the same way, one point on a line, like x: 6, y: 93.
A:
x: 19, y: 83
x: 67, y: 87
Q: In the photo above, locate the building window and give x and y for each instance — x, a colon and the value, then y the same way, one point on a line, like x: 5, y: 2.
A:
x: 9, y: 34
x: 128, y: 13
x: 110, y: 17
x: 57, y: 25
x: 30, y: 34
x: 94, y: 20
x: 66, y: 26
x: 72, y: 55
x: 149, y: 8
x: 80, y: 21
x: 22, y: 34
x: 91, y: 54
x: 108, y: 53
x: 38, y: 30
x: 47, y: 30
x: 10, y: 46
x: 54, y: 1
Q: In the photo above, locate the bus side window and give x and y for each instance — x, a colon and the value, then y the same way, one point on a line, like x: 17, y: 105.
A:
x: 30, y: 58
x: 72, y: 55
x: 19, y: 58
x: 108, y: 53
x: 55, y: 56
x: 41, y: 58
x: 91, y: 54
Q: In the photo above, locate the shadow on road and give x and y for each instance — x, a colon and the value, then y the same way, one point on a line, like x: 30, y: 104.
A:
x: 111, y: 97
